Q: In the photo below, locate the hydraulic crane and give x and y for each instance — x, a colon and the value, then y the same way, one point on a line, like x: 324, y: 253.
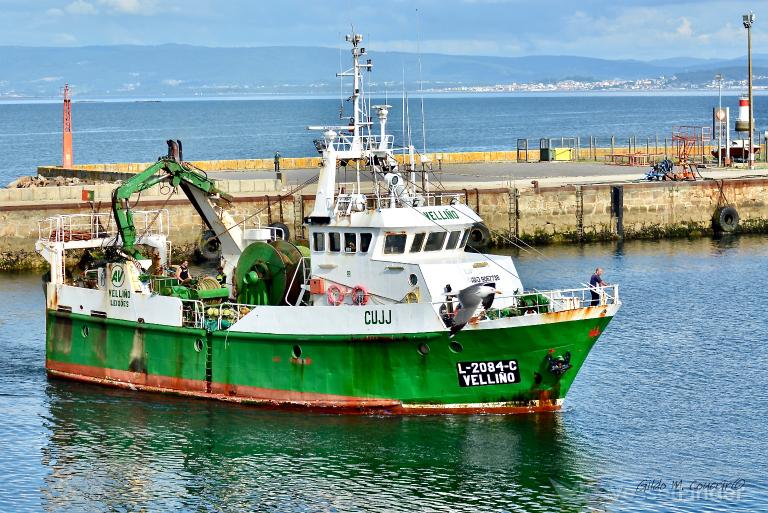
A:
x: 199, y: 189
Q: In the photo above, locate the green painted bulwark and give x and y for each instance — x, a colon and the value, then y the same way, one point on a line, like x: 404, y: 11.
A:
x: 141, y: 349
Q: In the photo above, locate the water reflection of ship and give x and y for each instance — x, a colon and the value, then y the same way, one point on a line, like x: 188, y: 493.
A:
x: 110, y: 447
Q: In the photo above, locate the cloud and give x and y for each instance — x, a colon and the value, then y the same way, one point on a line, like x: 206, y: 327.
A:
x: 135, y: 7
x: 130, y: 86
x: 172, y: 82
x: 685, y: 28
x: 81, y: 7
x: 54, y: 12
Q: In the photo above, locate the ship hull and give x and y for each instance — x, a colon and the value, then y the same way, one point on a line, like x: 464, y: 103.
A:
x: 499, y: 367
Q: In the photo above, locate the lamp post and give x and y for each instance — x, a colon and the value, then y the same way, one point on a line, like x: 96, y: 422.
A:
x: 748, y: 20
x: 719, y: 78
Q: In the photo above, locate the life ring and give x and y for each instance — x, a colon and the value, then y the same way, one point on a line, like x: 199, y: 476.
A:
x: 335, y: 295
x: 479, y: 237
x: 360, y: 295
x: 726, y: 219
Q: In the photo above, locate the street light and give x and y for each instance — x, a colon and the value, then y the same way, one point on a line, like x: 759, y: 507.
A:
x: 719, y: 78
x: 749, y: 20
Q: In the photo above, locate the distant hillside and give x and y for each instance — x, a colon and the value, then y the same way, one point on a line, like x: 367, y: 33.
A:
x: 182, y: 70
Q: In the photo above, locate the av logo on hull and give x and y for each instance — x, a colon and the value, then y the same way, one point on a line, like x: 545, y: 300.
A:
x: 118, y: 275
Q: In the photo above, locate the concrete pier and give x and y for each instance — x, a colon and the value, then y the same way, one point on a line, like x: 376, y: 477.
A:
x: 537, y: 203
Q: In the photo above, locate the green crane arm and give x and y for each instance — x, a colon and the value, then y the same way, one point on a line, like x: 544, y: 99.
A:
x: 173, y: 170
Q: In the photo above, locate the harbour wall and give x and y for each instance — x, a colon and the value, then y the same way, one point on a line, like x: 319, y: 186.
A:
x: 537, y: 215
x: 123, y: 170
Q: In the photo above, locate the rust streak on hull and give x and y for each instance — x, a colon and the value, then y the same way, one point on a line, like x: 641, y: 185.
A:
x: 279, y: 399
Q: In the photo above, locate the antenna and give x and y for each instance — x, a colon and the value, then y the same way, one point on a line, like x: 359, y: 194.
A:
x: 341, y: 86
x: 424, y: 180
x: 402, y: 113
x: 421, y: 84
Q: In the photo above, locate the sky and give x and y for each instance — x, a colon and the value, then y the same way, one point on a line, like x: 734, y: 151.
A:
x: 618, y: 29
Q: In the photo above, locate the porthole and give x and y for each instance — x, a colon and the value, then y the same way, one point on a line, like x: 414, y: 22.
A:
x: 456, y: 347
x: 423, y: 349
x: 296, y: 351
x: 413, y: 279
x: 85, y: 331
x: 198, y: 345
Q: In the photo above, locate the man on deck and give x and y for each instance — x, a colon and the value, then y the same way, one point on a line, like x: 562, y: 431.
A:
x: 182, y: 273
x: 595, y: 282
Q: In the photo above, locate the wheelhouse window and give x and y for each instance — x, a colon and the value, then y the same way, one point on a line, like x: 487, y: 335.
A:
x: 318, y: 241
x: 365, y: 242
x: 350, y: 242
x: 417, y: 243
x: 464, y: 238
x: 394, y: 243
x: 435, y: 241
x: 453, y: 240
x: 334, y: 242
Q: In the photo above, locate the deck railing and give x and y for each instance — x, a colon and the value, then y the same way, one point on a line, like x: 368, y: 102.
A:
x: 385, y: 200
x: 192, y: 313
x: 99, y: 225
x: 230, y: 313
x: 540, y: 301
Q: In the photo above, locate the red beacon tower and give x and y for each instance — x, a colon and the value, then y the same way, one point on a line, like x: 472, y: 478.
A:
x: 66, y: 146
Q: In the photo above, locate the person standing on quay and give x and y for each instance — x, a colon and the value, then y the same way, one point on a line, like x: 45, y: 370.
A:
x: 277, y: 166
x: 595, y: 282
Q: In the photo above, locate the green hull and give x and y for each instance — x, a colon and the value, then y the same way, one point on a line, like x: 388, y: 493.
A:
x: 354, y: 373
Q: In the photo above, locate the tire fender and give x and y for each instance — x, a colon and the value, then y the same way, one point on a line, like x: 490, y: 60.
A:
x: 726, y: 219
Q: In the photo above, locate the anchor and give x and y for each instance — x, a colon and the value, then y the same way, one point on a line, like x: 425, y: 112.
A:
x: 558, y: 365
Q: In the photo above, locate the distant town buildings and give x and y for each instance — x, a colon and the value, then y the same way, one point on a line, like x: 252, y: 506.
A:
x: 644, y: 84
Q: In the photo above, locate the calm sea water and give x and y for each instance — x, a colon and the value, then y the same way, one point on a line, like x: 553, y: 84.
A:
x: 30, y: 134
x: 674, y: 391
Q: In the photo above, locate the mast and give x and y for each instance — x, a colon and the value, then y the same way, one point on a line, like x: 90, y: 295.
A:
x: 357, y: 122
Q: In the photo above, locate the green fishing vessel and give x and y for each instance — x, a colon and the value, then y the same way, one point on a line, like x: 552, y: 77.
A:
x: 389, y: 308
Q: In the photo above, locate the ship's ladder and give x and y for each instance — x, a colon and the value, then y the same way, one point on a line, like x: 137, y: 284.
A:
x: 344, y: 205
x: 580, y: 213
x: 298, y: 216
x: 306, y: 271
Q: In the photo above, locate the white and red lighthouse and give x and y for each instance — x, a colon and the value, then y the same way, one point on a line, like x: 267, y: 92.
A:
x: 742, y: 121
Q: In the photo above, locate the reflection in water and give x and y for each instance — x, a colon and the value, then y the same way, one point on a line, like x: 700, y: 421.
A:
x: 117, y: 450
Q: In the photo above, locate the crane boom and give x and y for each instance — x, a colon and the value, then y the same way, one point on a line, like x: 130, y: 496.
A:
x: 199, y: 189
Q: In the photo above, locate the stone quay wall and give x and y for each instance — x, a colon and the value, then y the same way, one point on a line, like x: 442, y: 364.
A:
x: 570, y: 213
x: 587, y: 213
x: 124, y: 170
